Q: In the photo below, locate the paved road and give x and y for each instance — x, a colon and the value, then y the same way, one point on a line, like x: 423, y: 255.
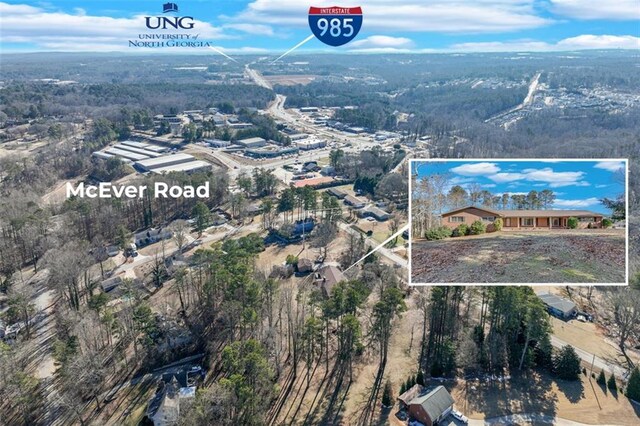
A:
x: 398, y: 260
x: 523, y: 419
x: 588, y: 358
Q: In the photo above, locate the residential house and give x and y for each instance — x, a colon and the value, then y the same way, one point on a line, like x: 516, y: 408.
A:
x: 111, y: 283
x: 164, y: 407
x: 409, y: 395
x: 431, y: 408
x: 338, y: 193
x: 151, y: 236
x: 305, y: 265
x: 521, y: 219
x: 558, y: 306
x: 327, y: 277
x: 354, y: 202
x: 303, y: 226
x: 376, y: 213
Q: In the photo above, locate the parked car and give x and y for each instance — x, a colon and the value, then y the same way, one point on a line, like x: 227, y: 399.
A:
x: 459, y: 416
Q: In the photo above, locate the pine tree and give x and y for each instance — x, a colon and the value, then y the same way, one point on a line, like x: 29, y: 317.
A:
x: 567, y: 364
x: 420, y: 378
x: 387, y: 395
x: 602, y: 380
x: 611, y: 383
x: 633, y: 386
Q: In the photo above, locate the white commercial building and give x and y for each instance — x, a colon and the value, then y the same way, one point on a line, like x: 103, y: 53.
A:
x: 150, y: 164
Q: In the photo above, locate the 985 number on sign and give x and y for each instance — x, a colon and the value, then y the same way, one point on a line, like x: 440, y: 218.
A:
x: 335, y: 25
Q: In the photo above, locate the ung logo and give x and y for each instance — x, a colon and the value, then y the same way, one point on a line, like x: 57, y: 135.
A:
x: 166, y: 22
x: 169, y: 7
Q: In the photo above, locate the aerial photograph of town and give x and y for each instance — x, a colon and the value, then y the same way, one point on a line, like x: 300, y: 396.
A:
x: 262, y: 212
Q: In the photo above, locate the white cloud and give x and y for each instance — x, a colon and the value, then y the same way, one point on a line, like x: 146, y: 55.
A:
x: 457, y: 180
x: 461, y: 16
x: 56, y: 30
x: 588, y: 41
x: 624, y: 10
x: 581, y: 42
x: 611, y: 166
x: 576, y: 203
x: 506, y: 177
x: 382, y: 41
x: 254, y: 29
x: 476, y: 169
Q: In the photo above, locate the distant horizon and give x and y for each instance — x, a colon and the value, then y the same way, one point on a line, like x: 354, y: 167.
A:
x: 184, y: 52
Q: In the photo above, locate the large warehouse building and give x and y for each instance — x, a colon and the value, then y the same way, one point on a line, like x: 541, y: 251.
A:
x: 252, y: 142
x: 131, y: 151
x: 172, y: 163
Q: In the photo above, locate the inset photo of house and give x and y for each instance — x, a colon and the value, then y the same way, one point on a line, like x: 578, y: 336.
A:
x: 518, y: 221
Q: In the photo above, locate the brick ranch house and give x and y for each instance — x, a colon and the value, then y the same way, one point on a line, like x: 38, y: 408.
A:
x: 521, y: 219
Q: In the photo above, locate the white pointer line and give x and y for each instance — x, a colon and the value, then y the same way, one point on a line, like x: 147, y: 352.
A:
x: 293, y: 48
x: 396, y: 235
x: 222, y: 53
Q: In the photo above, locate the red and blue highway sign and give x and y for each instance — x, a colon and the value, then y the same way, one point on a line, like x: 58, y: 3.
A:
x: 335, y: 25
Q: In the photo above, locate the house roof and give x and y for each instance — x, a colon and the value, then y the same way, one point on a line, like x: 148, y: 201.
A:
x: 557, y: 302
x: 377, y: 211
x: 410, y: 394
x: 527, y: 213
x: 336, y: 191
x: 330, y: 276
x: 547, y: 213
x: 435, y: 402
x: 353, y: 200
x: 483, y: 208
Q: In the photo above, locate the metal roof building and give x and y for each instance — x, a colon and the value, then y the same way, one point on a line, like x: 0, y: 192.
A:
x: 190, y: 167
x: 146, y: 146
x: 142, y: 151
x: 126, y: 154
x: 102, y: 155
x: 164, y: 161
x: 558, y: 306
x: 252, y: 142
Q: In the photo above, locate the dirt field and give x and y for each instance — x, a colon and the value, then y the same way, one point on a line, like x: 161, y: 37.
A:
x: 577, y: 256
x: 289, y: 80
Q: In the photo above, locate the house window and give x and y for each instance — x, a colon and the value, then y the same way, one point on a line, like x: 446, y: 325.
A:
x: 527, y: 221
x: 456, y: 219
x: 587, y: 219
x: 488, y: 218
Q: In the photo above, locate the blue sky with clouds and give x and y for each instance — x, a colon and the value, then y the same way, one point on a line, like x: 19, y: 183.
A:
x: 272, y: 26
x: 577, y: 184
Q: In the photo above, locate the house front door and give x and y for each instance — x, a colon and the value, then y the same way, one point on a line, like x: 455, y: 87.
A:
x: 556, y: 222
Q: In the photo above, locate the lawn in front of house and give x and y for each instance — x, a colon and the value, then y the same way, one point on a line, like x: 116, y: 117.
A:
x: 559, y: 256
